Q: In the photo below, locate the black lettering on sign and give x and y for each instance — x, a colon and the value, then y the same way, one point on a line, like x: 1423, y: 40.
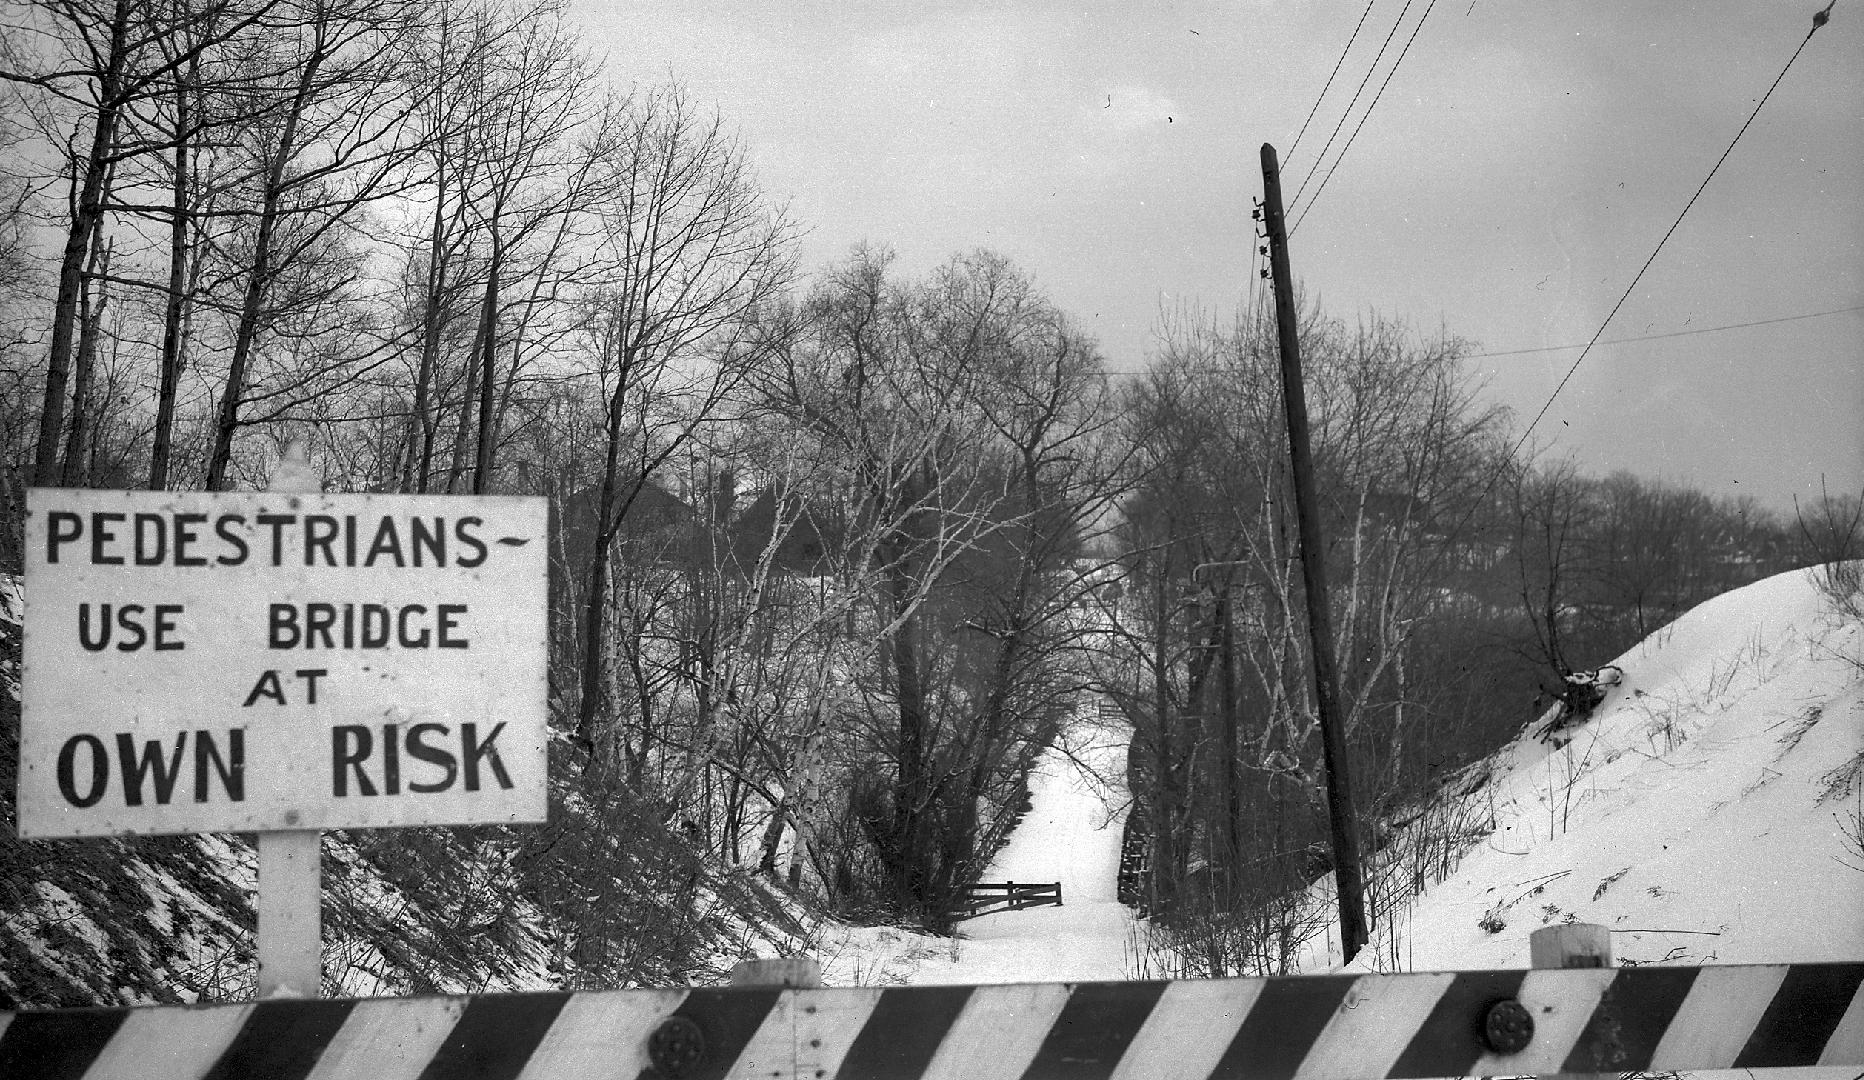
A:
x: 196, y: 539
x: 471, y: 541
x: 165, y: 626
x: 356, y: 765
x: 476, y: 750
x: 149, y: 762
x: 68, y: 770
x: 267, y: 687
x: 375, y: 621
x: 131, y: 629
x: 281, y: 626
x: 224, y: 528
x: 448, y: 625
x: 101, y: 537
x: 387, y: 544
x: 418, y: 641
x: 61, y: 527
x: 321, y: 625
x: 101, y: 640
x: 420, y: 750
x: 349, y: 749
x: 320, y: 531
x: 147, y: 771
x: 129, y: 618
x: 231, y: 769
x: 318, y: 618
x: 391, y: 761
x: 432, y: 541
x: 185, y: 537
x: 277, y: 523
x: 151, y: 539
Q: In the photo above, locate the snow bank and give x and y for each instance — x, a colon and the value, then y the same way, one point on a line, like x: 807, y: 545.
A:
x: 1706, y: 813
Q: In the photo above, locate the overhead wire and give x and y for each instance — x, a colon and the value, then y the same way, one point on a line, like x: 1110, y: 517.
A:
x: 1296, y: 144
x: 1669, y: 334
x: 1341, y: 156
x: 1495, y: 475
x: 1328, y: 145
x: 1665, y: 239
x: 1254, y: 275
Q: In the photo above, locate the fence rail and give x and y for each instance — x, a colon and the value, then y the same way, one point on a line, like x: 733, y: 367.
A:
x: 989, y: 896
x: 1327, y: 1027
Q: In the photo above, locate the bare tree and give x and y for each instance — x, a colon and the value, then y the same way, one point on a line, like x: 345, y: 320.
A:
x: 337, y: 142
x: 97, y: 60
x: 1216, y: 612
x: 961, y: 417
x: 694, y: 252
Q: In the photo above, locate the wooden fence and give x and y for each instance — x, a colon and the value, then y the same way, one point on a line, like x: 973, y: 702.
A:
x: 988, y: 896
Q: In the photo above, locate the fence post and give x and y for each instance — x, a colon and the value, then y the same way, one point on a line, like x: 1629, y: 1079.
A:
x: 1572, y: 945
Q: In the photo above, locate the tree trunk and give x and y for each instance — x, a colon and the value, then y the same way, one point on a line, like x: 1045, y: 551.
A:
x: 87, y: 214
x: 594, y: 698
x: 420, y: 459
x: 1165, y: 852
x: 259, y: 279
x: 908, y: 855
x: 1228, y: 718
x: 174, y: 308
x: 92, y: 299
x: 488, y: 370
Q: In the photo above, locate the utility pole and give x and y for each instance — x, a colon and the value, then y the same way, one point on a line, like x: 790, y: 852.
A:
x: 1342, y: 819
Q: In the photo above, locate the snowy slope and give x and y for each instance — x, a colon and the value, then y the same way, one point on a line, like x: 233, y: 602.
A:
x: 1706, y: 813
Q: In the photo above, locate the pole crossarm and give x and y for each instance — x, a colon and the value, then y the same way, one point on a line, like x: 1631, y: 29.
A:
x: 1329, y: 1027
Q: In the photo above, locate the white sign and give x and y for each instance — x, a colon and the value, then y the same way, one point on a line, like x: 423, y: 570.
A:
x: 238, y: 662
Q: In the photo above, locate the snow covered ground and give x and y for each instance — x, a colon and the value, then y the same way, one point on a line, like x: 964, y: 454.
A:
x: 1071, y: 834
x: 1707, y: 813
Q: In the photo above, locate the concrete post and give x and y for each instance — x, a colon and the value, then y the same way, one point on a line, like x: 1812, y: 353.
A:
x: 789, y: 972
x: 1573, y: 945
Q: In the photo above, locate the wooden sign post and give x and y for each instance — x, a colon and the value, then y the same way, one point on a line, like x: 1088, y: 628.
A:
x: 291, y: 877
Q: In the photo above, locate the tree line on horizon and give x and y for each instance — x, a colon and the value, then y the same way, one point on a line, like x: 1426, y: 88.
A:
x: 834, y: 555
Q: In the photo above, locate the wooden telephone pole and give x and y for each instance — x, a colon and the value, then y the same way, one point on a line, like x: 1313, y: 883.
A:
x: 1343, y: 821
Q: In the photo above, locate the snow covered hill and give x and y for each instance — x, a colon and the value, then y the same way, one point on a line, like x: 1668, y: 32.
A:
x: 1708, y: 812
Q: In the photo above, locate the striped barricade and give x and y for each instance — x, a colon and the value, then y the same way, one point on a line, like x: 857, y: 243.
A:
x: 1477, y: 1023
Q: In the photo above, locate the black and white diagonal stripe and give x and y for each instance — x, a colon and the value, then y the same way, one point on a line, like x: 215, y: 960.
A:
x: 1312, y: 1028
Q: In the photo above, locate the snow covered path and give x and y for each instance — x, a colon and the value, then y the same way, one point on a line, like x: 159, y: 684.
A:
x: 1071, y: 835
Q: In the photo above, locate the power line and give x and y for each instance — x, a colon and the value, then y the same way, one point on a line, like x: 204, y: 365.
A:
x: 1341, y: 156
x: 1670, y: 334
x: 1607, y: 341
x: 1329, y: 85
x: 1328, y: 145
x: 1495, y: 475
x: 1564, y: 379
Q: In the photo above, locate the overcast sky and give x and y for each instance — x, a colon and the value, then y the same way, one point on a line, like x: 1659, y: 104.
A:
x: 1520, y: 166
